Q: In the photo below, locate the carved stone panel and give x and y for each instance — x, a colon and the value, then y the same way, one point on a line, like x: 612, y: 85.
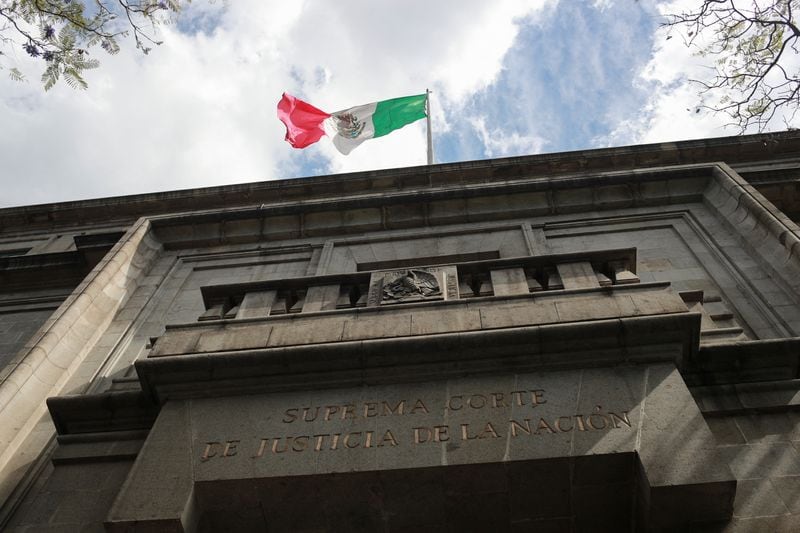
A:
x: 413, y: 285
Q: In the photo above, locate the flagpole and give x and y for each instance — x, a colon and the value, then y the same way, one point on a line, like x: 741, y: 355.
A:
x: 428, y: 114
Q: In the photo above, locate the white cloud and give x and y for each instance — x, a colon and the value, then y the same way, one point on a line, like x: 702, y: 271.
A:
x: 200, y: 109
x: 602, y: 4
x: 675, y: 108
x: 499, y: 143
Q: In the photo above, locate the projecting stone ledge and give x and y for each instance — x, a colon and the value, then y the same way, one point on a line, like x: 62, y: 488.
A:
x: 566, y: 329
x: 429, y: 318
x: 616, y: 449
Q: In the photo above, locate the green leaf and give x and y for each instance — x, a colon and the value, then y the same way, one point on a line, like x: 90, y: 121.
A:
x: 74, y: 79
x: 15, y: 74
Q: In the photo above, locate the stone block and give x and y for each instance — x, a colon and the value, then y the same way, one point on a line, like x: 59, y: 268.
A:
x: 603, y: 470
x: 757, y: 497
x: 176, y: 341
x: 321, y: 298
x: 605, y: 281
x: 676, y: 445
x: 578, y: 275
x: 509, y: 281
x: 524, y: 203
x: 553, y: 280
x: 755, y: 461
x: 613, y: 196
x: 377, y: 326
x: 657, y: 302
x: 405, y: 215
x: 245, y: 230
x: 477, y: 512
x: 362, y: 219
x: 320, y: 223
x: 572, y: 200
x: 96, y: 451
x: 318, y: 330
x: 528, y: 501
x: 475, y: 479
x: 603, y: 508
x: 229, y: 338
x: 767, y: 427
x: 447, y: 211
x: 83, y: 507
x: 725, y: 430
x: 256, y: 304
x: 159, y: 487
x: 413, y: 500
x: 425, y: 322
x: 598, y: 307
x: 525, y: 314
x: 214, y: 312
x: 622, y: 275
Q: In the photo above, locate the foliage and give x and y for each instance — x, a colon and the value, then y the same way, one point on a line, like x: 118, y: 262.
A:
x: 60, y: 33
x: 754, y: 46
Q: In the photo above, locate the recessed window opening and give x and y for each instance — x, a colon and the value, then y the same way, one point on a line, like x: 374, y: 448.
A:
x: 428, y: 261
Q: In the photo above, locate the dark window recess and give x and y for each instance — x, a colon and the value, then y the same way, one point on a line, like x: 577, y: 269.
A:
x: 102, y: 241
x: 427, y: 261
x: 14, y: 253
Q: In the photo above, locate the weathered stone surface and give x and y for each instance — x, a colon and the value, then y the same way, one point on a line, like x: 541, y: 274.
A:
x: 578, y: 275
x: 388, y: 321
x: 533, y: 401
x: 230, y: 337
x: 555, y: 419
x: 72, y: 497
x: 465, y: 422
x: 509, y: 281
x: 159, y: 488
x: 178, y: 341
x: 256, y: 304
x: 376, y: 326
x: 699, y: 226
x: 321, y: 298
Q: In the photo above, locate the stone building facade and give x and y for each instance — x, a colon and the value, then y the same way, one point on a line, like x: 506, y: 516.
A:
x: 605, y: 340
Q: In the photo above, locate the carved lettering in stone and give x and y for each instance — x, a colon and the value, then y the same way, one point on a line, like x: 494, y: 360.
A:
x: 451, y: 281
x: 314, y: 427
x: 374, y: 295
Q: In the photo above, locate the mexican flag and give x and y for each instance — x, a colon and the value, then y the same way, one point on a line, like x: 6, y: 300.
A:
x: 305, y: 124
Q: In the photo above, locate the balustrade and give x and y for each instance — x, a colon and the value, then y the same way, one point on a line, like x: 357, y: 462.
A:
x: 468, y: 280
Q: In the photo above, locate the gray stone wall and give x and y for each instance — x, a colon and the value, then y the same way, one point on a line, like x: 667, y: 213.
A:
x: 15, y: 330
x: 688, y: 231
x: 70, y: 498
x: 762, y: 451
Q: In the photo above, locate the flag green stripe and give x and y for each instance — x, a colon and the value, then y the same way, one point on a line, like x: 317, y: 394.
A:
x: 397, y: 112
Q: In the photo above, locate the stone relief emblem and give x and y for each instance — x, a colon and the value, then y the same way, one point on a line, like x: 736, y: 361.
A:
x: 412, y: 283
x: 348, y: 125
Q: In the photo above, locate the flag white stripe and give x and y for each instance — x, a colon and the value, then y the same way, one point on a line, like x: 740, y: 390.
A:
x: 343, y: 141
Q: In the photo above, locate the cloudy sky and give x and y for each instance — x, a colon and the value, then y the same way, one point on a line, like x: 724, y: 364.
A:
x: 509, y: 77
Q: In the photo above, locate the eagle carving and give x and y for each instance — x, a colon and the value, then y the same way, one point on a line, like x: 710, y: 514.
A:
x: 412, y: 283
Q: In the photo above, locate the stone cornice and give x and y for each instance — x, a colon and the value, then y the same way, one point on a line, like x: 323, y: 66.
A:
x: 126, y: 209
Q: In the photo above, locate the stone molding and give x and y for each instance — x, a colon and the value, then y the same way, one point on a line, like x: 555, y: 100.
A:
x: 55, y: 352
x: 690, y: 484
x: 740, y: 150
x: 768, y: 232
x: 626, y: 340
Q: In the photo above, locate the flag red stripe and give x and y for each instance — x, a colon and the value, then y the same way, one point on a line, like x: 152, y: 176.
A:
x: 303, y: 121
